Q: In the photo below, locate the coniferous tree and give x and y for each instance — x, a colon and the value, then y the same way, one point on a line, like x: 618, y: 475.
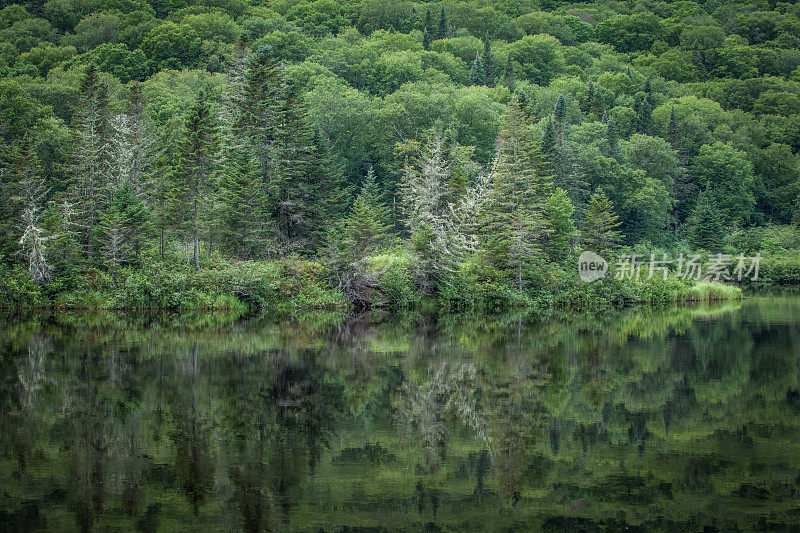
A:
x: 429, y: 27
x: 443, y: 25
x: 599, y: 232
x: 131, y: 154
x: 488, y: 61
x: 293, y: 189
x: 644, y: 113
x: 477, y: 74
x: 426, y: 40
x: 558, y: 213
x: 31, y: 195
x: 549, y: 140
x: 438, y: 226
x: 509, y: 80
x: 90, y: 157
x: 192, y: 179
x: 33, y: 244
x: 706, y: 226
x: 513, y: 226
x: 366, y: 228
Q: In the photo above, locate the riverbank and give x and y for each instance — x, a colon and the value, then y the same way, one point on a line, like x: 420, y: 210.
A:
x: 293, y: 285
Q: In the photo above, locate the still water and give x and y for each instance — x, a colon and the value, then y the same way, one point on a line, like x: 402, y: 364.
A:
x: 653, y: 419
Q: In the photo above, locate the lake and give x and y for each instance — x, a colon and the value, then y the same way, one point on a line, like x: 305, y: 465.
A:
x: 658, y: 419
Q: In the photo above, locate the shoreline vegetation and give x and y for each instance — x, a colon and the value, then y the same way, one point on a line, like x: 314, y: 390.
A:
x: 285, y: 287
x: 366, y: 154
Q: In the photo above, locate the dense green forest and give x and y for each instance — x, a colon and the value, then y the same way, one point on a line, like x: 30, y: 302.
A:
x: 181, y: 153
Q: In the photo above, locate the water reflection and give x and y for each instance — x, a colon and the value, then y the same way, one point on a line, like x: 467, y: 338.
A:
x: 661, y: 418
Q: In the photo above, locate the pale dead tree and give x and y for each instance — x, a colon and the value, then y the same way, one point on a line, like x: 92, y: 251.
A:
x: 34, y: 245
x: 424, y: 189
x: 132, y: 151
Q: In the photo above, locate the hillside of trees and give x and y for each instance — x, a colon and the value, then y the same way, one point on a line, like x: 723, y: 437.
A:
x: 180, y: 153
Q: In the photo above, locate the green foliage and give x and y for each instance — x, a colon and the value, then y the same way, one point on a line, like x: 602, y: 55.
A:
x: 599, y: 232
x: 687, y: 118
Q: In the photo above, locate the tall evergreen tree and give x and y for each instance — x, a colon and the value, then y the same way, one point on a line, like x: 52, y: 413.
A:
x: 600, y: 226
x: 443, y: 25
x: 706, y: 227
x: 488, y: 61
x: 429, y: 26
x: 558, y: 213
x: 192, y: 179
x: 513, y: 228
x: 477, y: 74
x: 644, y: 113
x: 90, y: 157
x: 426, y: 40
x: 30, y: 196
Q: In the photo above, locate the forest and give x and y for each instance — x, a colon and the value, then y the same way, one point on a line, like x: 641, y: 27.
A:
x: 287, y: 154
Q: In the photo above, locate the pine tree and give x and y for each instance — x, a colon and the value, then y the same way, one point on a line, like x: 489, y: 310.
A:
x: 429, y: 27
x: 192, y: 179
x: 644, y: 113
x: 706, y: 227
x: 426, y: 40
x: 488, y: 61
x: 513, y: 228
x: 477, y: 74
x: 558, y: 213
x: 366, y: 228
x: 443, y: 25
x: 30, y: 196
x: 90, y: 157
x: 600, y: 233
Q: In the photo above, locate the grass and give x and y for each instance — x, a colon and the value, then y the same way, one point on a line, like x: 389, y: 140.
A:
x: 708, y: 291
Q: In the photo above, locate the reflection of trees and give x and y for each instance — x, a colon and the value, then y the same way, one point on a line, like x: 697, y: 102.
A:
x: 577, y: 420
x: 450, y: 390
x: 278, y: 424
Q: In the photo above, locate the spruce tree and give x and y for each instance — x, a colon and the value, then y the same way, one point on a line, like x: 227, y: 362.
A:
x: 90, y: 157
x: 706, y: 228
x: 513, y: 227
x: 426, y: 40
x: 192, y: 179
x: 294, y: 190
x: 443, y: 25
x: 558, y: 213
x: 549, y: 140
x: 31, y: 194
x: 366, y: 227
x: 488, y: 61
x: 600, y: 233
x: 477, y: 74
x: 644, y: 113
x: 429, y: 27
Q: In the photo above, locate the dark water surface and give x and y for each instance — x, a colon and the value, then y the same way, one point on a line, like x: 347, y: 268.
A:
x: 677, y: 419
